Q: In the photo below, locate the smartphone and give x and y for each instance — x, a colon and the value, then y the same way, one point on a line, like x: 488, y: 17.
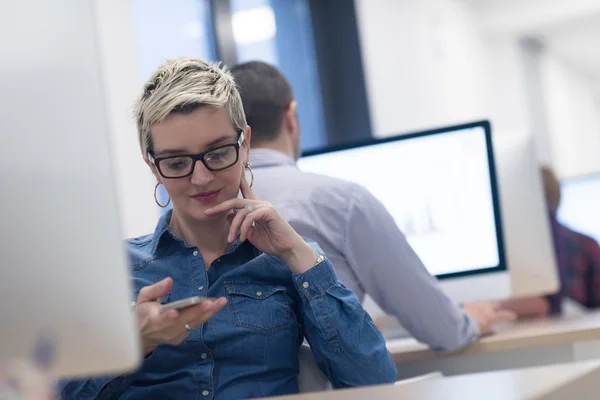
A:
x: 183, y: 304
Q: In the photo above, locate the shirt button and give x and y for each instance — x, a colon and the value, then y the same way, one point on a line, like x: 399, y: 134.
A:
x: 305, y: 285
x: 259, y: 293
x: 201, y: 288
x: 195, y: 253
x: 203, y: 356
x: 205, y: 393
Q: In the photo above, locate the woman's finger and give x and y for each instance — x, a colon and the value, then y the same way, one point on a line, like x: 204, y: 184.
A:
x: 229, y: 205
x: 165, y: 318
x: 155, y: 291
x: 247, y: 191
x: 249, y: 223
x: 230, y: 217
x: 205, y: 317
x: 199, y: 314
x: 235, y: 225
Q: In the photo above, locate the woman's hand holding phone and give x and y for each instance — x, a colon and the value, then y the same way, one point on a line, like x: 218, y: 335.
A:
x: 183, y: 304
x: 171, y: 325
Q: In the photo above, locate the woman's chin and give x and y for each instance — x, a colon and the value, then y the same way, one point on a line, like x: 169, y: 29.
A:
x: 198, y: 213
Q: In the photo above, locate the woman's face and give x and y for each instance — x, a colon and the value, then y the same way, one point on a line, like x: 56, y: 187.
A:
x: 204, y: 129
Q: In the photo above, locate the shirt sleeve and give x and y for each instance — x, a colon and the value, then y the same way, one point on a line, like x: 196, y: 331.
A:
x: 347, y: 346
x: 592, y: 256
x: 560, y: 242
x: 97, y: 388
x: 393, y: 275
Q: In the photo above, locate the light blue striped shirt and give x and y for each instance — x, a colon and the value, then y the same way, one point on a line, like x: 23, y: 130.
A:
x: 369, y: 253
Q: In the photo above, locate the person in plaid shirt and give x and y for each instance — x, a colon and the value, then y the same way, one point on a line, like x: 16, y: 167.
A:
x: 578, y: 261
x: 581, y: 277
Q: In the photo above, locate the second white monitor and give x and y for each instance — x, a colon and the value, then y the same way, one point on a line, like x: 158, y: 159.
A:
x: 579, y: 208
x: 438, y: 187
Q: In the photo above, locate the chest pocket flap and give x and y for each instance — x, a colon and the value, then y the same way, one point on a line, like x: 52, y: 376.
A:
x: 263, y: 308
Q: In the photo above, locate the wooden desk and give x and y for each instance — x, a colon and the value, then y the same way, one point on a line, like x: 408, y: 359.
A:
x: 579, y: 381
x: 514, y: 345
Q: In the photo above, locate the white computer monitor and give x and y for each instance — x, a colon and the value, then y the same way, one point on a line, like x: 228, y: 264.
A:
x: 440, y: 188
x: 64, y: 276
x: 580, y: 205
x: 529, y: 248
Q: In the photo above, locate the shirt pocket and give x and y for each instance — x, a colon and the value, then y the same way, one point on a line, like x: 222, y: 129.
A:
x: 259, y: 307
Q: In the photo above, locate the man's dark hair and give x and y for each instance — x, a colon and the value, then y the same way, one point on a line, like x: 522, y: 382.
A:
x: 266, y: 95
x: 551, y: 188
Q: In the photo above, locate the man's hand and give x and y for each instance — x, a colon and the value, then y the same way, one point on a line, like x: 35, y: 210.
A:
x: 527, y: 307
x: 488, y: 314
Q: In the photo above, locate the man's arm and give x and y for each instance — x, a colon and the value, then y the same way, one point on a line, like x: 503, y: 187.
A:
x: 394, y: 276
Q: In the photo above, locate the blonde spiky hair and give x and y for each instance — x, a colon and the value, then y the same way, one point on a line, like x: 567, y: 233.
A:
x: 184, y: 85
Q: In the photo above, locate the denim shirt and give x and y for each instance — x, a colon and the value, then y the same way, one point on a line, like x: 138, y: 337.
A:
x: 250, y: 348
x: 370, y: 254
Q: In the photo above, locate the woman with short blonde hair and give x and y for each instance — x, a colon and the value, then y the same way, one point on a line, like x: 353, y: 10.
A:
x: 270, y: 288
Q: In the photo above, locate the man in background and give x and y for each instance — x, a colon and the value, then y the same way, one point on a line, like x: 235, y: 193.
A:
x: 580, y: 254
x: 354, y: 229
x: 578, y: 262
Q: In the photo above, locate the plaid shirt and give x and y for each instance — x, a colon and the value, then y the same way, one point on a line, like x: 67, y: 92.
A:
x: 582, y: 276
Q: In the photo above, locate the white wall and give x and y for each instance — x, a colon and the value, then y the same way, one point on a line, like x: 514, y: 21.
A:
x: 573, y: 118
x: 401, y: 46
x: 430, y: 63
x: 504, y: 84
x: 114, y: 26
x: 427, y: 64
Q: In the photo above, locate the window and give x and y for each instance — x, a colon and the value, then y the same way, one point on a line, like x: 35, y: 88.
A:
x: 165, y: 29
x: 279, y: 32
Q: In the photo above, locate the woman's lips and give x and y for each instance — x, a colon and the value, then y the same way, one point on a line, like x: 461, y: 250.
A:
x: 206, y: 197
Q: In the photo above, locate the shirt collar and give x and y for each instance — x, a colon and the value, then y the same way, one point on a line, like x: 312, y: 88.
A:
x: 162, y: 233
x: 260, y: 158
x: 163, y: 238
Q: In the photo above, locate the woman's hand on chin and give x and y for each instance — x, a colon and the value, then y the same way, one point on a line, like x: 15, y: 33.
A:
x: 259, y: 222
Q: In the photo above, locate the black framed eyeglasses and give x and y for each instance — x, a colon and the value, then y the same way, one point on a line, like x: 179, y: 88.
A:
x: 216, y: 159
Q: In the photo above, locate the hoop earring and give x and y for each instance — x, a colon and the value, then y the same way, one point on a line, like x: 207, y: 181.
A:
x: 156, y: 198
x: 247, y: 166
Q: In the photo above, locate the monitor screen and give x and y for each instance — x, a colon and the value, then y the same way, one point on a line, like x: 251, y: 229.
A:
x: 580, y: 205
x: 439, y: 186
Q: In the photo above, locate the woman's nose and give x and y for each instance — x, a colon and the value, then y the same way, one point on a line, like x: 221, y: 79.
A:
x: 201, y: 175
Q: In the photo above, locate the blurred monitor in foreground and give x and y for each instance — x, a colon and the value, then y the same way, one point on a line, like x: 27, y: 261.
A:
x: 65, y: 280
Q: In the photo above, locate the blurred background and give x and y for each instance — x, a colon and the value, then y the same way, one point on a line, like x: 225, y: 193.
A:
x: 374, y: 68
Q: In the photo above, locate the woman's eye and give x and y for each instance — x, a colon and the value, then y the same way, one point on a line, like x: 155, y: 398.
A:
x: 176, y: 164
x: 217, y: 155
